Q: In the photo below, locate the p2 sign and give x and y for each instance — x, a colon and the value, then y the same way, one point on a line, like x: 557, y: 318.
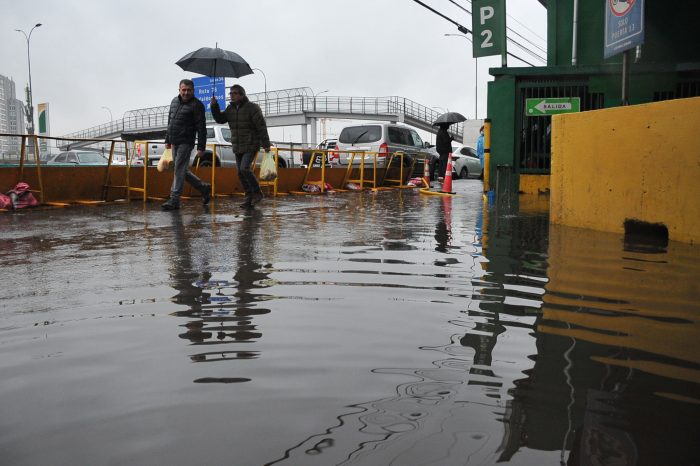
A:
x: 624, y: 25
x: 488, y: 27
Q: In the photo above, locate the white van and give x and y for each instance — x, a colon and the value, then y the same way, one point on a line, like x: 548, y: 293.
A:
x: 383, y: 138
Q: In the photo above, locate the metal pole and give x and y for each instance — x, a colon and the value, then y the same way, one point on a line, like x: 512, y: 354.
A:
x: 265, y: 79
x: 476, y: 88
x: 476, y: 77
x: 30, y: 100
x: 574, y: 37
x: 110, y: 113
x: 625, y: 78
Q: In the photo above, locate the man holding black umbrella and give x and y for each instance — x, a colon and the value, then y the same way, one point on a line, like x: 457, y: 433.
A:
x: 185, y: 121
x: 443, y: 146
x: 248, y: 134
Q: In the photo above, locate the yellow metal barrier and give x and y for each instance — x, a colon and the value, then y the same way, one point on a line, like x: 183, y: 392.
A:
x: 40, y: 191
x: 129, y: 163
x: 322, y: 161
x: 23, y: 155
x: 361, y: 180
x: 400, y: 180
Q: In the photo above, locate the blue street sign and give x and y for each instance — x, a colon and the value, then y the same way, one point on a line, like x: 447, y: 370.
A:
x: 203, y: 91
x: 624, y: 25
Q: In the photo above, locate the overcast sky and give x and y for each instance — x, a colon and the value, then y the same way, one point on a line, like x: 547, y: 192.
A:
x: 121, y: 54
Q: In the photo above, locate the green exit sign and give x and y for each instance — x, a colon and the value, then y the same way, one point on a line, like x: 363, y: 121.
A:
x: 552, y: 106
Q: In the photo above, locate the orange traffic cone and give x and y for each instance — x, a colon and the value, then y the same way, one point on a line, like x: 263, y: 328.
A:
x: 447, y: 182
x: 426, y: 171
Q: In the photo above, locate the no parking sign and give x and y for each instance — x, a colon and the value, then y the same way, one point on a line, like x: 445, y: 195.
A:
x: 624, y: 25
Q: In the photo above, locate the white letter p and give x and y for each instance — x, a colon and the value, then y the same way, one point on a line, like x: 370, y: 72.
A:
x: 485, y: 12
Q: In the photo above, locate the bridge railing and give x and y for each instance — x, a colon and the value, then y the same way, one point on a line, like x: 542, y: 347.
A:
x: 157, y: 117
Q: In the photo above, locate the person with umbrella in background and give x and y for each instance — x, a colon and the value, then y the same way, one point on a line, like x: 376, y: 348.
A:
x: 248, y: 134
x: 443, y: 141
x: 186, y: 120
x: 443, y: 146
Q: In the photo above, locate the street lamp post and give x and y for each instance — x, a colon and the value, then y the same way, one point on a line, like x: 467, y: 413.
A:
x: 265, y: 79
x: 476, y: 78
x: 30, y: 99
x: 110, y: 113
x: 316, y: 95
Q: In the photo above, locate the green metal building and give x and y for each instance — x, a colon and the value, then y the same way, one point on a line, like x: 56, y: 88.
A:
x: 666, y: 67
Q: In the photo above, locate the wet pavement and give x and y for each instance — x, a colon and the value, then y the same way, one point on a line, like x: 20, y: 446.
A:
x: 386, y: 328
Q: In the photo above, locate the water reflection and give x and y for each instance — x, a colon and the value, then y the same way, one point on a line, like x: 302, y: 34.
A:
x: 219, y: 311
x: 443, y: 229
x: 576, y: 348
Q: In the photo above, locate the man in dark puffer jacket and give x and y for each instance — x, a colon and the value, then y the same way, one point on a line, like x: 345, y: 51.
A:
x: 185, y: 121
x: 248, y: 134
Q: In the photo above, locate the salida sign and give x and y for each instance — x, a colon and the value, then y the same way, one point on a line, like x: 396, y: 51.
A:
x: 624, y: 25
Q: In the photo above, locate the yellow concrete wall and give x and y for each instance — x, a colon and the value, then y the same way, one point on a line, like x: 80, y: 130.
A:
x: 639, y: 162
x: 534, y: 184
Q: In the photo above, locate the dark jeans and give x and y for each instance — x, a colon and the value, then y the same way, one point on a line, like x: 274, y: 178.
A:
x: 250, y: 184
x: 181, y: 160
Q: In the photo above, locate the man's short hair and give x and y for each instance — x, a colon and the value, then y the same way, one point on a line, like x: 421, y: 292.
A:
x: 239, y: 88
x: 187, y: 82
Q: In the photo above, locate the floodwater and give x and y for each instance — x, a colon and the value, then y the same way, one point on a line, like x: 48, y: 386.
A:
x: 385, y: 328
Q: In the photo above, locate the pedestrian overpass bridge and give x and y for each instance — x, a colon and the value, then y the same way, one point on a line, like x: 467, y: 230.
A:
x: 287, y: 107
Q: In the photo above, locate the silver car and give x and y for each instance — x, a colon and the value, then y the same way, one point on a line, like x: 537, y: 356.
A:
x: 384, y: 139
x: 74, y: 158
x: 465, y: 163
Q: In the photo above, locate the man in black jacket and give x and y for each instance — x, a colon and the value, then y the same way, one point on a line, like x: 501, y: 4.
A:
x: 248, y: 134
x: 185, y: 121
x: 443, y: 146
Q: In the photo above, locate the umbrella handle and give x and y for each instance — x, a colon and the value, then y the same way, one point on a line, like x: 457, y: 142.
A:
x: 213, y: 81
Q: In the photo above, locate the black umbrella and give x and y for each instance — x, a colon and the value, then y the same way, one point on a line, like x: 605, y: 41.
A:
x: 449, y: 118
x: 215, y: 62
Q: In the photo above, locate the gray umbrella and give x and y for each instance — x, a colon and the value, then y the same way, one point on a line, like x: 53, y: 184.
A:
x: 215, y: 62
x: 449, y: 118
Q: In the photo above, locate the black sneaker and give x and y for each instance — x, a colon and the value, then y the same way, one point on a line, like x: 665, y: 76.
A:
x: 169, y: 205
x: 257, y: 197
x: 206, y: 193
x: 246, y: 204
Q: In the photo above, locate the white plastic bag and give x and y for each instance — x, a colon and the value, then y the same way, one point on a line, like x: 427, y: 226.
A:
x: 166, y: 160
x: 268, y: 169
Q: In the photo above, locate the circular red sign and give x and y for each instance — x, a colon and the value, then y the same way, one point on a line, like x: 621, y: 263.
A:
x: 621, y: 7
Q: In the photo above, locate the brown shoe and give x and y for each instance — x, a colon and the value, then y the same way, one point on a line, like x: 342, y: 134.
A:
x: 257, y: 197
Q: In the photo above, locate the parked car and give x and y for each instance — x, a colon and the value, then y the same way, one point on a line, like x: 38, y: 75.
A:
x: 383, y: 138
x: 465, y: 163
x: 331, y: 145
x: 78, y: 158
x: 220, y: 135
x: 325, y: 145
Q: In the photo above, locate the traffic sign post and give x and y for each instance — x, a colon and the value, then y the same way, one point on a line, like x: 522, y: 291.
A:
x: 203, y: 91
x: 552, y: 106
x: 624, y: 25
x: 489, y: 28
x: 624, y: 30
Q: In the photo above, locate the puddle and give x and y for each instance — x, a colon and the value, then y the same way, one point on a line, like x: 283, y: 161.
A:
x: 363, y: 328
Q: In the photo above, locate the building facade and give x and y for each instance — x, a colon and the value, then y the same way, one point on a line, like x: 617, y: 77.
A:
x: 667, y: 67
x: 11, y: 119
